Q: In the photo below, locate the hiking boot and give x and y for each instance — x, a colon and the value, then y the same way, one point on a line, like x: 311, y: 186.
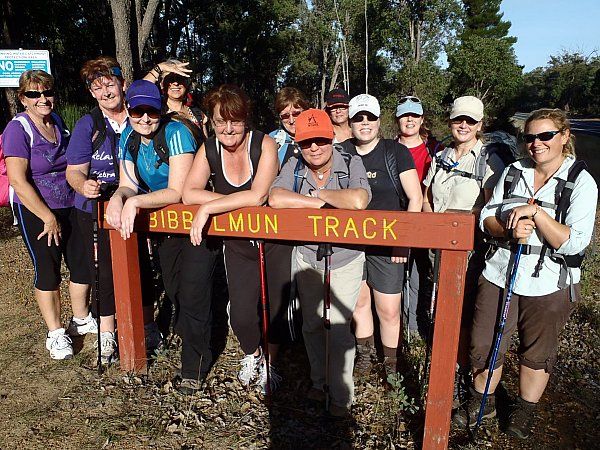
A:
x: 154, y: 338
x: 315, y: 395
x: 59, y: 344
x: 79, y: 327
x: 108, y: 347
x: 390, y: 363
x: 339, y: 412
x: 520, y: 418
x: 462, y: 383
x: 262, y: 377
x: 466, y: 414
x: 363, y: 361
x: 189, y: 386
x: 249, y: 368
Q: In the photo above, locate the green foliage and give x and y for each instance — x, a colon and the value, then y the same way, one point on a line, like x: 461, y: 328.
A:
x: 71, y: 113
x: 403, y: 402
x: 484, y: 19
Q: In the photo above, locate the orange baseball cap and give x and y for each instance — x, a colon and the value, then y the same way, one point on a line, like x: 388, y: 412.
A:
x: 313, y: 124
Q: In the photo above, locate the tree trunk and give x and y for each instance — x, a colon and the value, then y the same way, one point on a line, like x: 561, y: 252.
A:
x: 9, y: 103
x: 145, y: 25
x: 121, y: 13
x: 324, y: 74
x: 366, y: 51
x: 336, y: 72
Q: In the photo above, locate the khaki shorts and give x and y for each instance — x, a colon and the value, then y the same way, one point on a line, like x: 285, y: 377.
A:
x: 539, y: 320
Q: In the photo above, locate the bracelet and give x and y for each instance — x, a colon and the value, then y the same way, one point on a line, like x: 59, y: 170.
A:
x: 158, y: 70
x: 537, y: 210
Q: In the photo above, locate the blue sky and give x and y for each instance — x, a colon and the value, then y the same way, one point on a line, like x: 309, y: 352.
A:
x: 546, y: 27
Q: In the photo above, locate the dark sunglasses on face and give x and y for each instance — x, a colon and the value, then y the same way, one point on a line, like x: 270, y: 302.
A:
x: 544, y: 136
x: 319, y: 142
x: 38, y: 94
x: 409, y: 98
x: 286, y: 116
x: 460, y: 119
x: 358, y: 118
x: 139, y: 111
x: 336, y: 108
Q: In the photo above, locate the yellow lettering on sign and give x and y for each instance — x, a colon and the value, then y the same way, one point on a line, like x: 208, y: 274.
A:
x: 315, y: 219
x: 351, y: 226
x: 186, y: 220
x: 162, y: 218
x: 153, y: 222
x: 331, y: 223
x: 216, y: 225
x: 236, y: 226
x: 387, y: 228
x: 364, y: 228
x: 254, y: 229
x: 272, y: 222
x: 172, y: 220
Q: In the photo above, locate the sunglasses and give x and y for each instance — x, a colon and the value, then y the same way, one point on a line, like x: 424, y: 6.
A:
x: 460, y: 119
x: 336, y: 108
x: 543, y: 136
x: 286, y: 116
x: 37, y: 94
x: 409, y: 98
x: 139, y: 111
x: 358, y: 118
x: 318, y: 142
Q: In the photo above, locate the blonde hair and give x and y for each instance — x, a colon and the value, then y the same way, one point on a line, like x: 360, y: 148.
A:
x: 34, y: 77
x: 560, y: 120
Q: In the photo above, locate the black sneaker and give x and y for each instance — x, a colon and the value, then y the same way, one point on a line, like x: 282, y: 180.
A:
x: 466, y: 414
x: 363, y: 361
x: 520, y: 418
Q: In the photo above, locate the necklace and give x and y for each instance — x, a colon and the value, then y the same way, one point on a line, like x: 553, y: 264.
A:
x: 48, y: 134
x: 321, y: 174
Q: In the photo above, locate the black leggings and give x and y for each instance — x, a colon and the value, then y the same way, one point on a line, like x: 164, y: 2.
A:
x: 243, y: 278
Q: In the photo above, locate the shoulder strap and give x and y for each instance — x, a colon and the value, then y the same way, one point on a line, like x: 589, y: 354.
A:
x: 344, y: 180
x: 481, y: 164
x: 26, y: 127
x: 391, y: 164
x: 510, y: 181
x: 98, y: 129
x: 297, y: 169
x: 159, y: 142
x: 256, y: 149
x: 567, y: 189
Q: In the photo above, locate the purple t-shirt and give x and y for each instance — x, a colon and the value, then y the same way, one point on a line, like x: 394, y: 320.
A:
x: 47, y: 161
x: 101, y: 163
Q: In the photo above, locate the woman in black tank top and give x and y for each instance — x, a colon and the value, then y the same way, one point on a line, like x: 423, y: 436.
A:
x: 242, y: 164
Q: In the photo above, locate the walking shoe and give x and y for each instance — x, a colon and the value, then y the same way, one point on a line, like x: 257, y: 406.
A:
x: 189, y: 386
x: 466, y: 414
x: 363, y: 361
x: 462, y: 382
x: 79, y: 327
x: 520, y: 418
x: 108, y: 347
x: 59, y: 344
x: 262, y: 377
x: 154, y: 338
x: 249, y: 368
x: 315, y: 395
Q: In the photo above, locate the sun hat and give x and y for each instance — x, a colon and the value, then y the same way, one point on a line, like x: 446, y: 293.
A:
x: 409, y: 105
x: 313, y: 124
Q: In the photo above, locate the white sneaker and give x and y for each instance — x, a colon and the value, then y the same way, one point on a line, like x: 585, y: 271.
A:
x: 59, y: 344
x: 249, y: 368
x: 79, y: 327
x: 154, y: 338
x: 108, y: 347
x: 262, y: 377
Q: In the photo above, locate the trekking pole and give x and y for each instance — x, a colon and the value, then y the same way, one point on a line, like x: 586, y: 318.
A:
x: 406, y: 295
x: 264, y: 302
x: 97, y: 277
x: 503, y: 316
x: 326, y: 250
x: 429, y: 343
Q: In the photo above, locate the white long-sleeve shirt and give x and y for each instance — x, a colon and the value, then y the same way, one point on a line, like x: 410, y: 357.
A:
x: 580, y: 218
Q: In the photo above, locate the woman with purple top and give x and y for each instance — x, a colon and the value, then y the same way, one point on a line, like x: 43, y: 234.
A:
x: 34, y: 144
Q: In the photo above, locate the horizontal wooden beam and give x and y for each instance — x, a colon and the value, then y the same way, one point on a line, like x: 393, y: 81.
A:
x: 449, y: 231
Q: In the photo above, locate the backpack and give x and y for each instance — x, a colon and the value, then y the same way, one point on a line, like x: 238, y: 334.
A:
x: 5, y: 189
x: 562, y: 201
x: 99, y: 135
x: 344, y: 179
x: 161, y: 148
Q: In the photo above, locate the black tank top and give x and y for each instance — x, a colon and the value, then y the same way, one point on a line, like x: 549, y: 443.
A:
x: 213, y: 155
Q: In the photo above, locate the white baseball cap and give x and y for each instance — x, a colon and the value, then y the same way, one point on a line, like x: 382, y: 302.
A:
x: 364, y: 102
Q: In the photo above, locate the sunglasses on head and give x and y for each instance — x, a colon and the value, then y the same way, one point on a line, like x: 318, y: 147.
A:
x: 460, y: 119
x: 320, y: 142
x: 409, y: 98
x: 360, y: 117
x: 139, y: 111
x: 286, y: 116
x: 38, y: 94
x: 544, y: 136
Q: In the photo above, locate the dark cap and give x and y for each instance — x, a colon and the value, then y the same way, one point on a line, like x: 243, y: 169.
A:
x: 337, y: 97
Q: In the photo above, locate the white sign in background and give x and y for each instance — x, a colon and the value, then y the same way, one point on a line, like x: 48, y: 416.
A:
x: 14, y: 62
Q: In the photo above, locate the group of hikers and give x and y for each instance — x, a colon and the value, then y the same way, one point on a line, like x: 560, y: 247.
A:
x: 145, y: 146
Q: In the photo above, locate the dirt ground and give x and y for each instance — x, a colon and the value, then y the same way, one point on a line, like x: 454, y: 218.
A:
x: 52, y: 404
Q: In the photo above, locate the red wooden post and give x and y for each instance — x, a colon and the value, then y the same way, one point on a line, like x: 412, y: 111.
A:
x: 128, y: 302
x: 453, y: 268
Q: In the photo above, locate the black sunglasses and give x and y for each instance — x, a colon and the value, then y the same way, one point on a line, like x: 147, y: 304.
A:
x: 544, y: 136
x: 319, y: 142
x: 358, y: 118
x: 460, y: 119
x: 139, y: 111
x: 409, y: 98
x: 38, y: 94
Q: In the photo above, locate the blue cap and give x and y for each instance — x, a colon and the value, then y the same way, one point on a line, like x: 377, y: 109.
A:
x: 143, y: 93
x: 409, y: 105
